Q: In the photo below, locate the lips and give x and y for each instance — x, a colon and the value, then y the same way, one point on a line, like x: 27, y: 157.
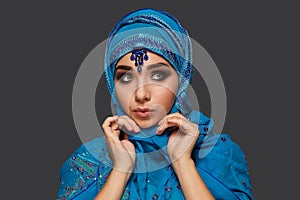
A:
x: 142, y: 112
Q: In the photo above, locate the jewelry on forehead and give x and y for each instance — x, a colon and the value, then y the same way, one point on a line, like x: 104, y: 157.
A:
x: 138, y: 56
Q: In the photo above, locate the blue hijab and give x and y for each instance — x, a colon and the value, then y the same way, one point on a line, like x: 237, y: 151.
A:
x: 219, y: 161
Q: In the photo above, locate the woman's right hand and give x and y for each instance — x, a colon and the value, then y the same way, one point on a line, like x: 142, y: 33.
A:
x: 122, y: 152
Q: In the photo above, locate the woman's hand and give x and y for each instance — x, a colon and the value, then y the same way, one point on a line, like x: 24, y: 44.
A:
x: 182, y: 140
x: 183, y: 136
x: 122, y: 152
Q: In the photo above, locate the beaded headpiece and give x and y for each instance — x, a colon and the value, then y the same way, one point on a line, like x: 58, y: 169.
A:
x: 139, y: 55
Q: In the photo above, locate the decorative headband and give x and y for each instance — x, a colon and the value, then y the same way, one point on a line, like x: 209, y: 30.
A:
x: 138, y: 56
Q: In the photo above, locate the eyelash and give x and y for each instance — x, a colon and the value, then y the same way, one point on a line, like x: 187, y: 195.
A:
x: 160, y: 73
x: 121, y: 76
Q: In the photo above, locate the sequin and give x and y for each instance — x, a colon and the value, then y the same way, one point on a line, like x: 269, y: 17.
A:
x: 125, y: 194
x: 105, y: 172
x: 168, y: 189
x: 155, y: 197
x: 244, y: 183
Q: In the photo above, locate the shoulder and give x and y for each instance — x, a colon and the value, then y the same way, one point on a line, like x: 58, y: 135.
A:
x: 80, y: 170
x: 85, y: 156
x: 229, y: 148
x: 224, y: 159
x: 218, y: 151
x: 222, y: 144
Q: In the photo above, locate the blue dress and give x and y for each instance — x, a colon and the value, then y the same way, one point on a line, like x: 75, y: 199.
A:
x: 223, y: 169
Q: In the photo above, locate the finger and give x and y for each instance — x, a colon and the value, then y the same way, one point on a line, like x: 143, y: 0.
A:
x: 128, y: 146
x: 128, y: 123
x: 166, y: 125
x: 115, y: 129
x: 174, y: 120
x: 173, y: 115
x: 115, y: 126
x: 178, y: 116
x: 132, y: 122
x: 125, y: 136
x: 187, y: 128
x: 108, y: 123
x: 124, y: 124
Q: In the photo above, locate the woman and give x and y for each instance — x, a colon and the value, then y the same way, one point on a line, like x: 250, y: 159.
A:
x: 156, y: 146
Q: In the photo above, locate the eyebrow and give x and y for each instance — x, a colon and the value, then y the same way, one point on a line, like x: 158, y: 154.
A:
x: 152, y: 66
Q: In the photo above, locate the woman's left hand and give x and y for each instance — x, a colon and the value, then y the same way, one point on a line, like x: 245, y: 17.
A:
x: 183, y: 136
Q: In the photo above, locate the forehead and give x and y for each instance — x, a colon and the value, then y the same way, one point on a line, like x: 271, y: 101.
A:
x: 153, y: 58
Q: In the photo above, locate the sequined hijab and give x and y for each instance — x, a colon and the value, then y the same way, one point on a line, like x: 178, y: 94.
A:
x: 158, y: 32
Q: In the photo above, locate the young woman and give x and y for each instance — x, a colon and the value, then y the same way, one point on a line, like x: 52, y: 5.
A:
x: 156, y: 146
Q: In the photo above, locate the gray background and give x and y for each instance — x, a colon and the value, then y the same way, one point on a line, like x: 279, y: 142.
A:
x: 255, y: 46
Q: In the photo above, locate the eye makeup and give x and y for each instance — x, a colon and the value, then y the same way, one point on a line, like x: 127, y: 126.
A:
x: 155, y: 72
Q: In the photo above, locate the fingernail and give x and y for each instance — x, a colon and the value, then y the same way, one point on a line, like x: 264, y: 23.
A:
x: 158, y: 129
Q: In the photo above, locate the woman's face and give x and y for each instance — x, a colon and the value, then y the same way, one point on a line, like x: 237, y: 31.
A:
x: 146, y: 96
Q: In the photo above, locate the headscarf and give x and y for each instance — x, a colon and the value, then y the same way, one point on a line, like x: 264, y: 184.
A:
x: 160, y: 33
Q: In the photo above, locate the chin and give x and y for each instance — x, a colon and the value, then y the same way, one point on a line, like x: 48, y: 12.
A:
x: 146, y: 123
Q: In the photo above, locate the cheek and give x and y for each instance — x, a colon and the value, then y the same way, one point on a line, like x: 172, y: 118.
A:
x: 164, y: 97
x: 123, y: 98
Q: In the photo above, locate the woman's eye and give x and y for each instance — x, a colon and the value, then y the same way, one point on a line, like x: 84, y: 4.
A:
x: 126, y: 78
x: 158, y: 76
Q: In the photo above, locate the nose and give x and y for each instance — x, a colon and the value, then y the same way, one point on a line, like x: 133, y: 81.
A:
x: 142, y: 94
